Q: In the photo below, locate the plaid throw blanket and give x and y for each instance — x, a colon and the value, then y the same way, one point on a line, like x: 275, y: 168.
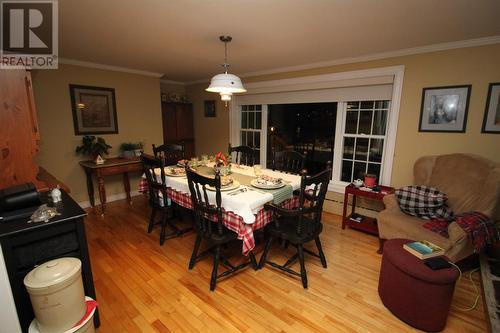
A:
x: 424, y: 202
x: 439, y: 226
x: 479, y: 229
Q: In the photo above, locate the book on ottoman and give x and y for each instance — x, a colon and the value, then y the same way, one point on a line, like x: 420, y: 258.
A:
x: 423, y: 249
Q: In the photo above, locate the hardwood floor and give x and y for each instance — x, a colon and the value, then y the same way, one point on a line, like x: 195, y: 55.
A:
x: 142, y: 287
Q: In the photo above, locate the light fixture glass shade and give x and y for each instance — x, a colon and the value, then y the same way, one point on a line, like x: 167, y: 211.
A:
x: 226, y: 83
x: 225, y: 97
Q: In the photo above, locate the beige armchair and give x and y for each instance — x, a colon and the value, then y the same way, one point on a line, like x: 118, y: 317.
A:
x: 472, y: 183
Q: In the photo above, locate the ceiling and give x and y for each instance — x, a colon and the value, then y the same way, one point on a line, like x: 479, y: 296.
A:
x: 179, y: 38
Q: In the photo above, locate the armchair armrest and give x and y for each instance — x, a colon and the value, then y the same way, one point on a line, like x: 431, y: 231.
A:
x: 279, y: 210
x: 456, y: 233
x: 390, y: 202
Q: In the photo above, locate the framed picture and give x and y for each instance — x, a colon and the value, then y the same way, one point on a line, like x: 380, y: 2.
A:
x: 210, y: 108
x: 94, y: 110
x: 444, y: 109
x: 491, y: 120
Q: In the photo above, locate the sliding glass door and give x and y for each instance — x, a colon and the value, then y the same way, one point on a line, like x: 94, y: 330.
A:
x: 308, y: 128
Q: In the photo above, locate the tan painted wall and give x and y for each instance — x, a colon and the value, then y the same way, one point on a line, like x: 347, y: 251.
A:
x: 477, y: 66
x: 211, y: 134
x: 139, y: 119
x: 172, y: 88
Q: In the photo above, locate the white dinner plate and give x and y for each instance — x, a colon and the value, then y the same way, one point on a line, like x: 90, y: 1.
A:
x: 254, y: 183
x: 233, y: 186
x: 169, y: 173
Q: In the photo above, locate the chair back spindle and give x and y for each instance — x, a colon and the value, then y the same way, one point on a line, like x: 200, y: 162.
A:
x: 157, y: 187
x: 244, y: 154
x: 171, y: 153
x: 289, y: 161
x: 312, y: 196
x: 204, y: 210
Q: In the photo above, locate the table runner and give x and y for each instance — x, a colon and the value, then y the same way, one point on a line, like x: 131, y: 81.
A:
x: 279, y: 195
x: 245, y: 204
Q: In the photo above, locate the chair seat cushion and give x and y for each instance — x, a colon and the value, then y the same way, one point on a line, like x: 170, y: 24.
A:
x: 397, y: 224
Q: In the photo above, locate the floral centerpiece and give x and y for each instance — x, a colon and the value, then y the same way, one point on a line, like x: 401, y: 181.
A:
x: 222, y: 163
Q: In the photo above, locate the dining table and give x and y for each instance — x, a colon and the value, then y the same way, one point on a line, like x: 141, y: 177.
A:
x: 242, y: 205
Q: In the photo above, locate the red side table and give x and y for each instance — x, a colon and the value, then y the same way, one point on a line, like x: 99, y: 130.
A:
x: 367, y: 224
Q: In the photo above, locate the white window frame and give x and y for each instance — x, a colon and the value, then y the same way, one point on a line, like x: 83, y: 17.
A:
x: 235, y: 129
x: 340, y: 135
x: 317, y: 82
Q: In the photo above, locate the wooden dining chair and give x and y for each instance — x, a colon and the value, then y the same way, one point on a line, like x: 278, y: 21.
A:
x: 244, y: 154
x: 158, y: 199
x: 300, y: 225
x: 289, y: 161
x: 209, y: 226
x: 172, y: 153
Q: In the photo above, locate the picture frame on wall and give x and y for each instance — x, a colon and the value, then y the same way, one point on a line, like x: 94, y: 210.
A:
x: 94, y: 110
x: 210, y: 110
x: 444, y: 109
x: 491, y: 120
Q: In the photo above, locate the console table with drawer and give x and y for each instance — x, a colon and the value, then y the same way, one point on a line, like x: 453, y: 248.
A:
x: 112, y: 166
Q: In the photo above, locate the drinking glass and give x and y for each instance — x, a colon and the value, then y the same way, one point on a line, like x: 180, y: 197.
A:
x: 257, y: 169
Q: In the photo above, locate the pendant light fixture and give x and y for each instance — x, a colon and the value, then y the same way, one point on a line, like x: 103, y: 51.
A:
x: 226, y: 84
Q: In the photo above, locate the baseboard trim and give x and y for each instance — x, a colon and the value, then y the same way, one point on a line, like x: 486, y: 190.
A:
x: 110, y: 198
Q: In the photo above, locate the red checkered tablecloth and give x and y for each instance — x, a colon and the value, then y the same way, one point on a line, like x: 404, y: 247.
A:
x: 229, y: 219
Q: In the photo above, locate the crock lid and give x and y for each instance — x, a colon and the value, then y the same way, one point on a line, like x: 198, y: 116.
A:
x: 52, y: 273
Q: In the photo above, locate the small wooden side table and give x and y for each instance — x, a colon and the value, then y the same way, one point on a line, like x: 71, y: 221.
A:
x: 367, y: 224
x: 112, y: 166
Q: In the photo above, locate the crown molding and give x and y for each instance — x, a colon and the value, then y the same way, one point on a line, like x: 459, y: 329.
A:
x: 108, y: 67
x: 172, y: 82
x: 376, y: 56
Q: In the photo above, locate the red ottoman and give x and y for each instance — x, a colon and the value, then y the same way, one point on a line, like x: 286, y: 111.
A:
x: 412, y: 291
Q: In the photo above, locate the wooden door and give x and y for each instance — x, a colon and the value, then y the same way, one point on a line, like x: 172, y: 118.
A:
x: 178, y: 125
x: 19, y: 136
x: 184, y: 117
x: 169, y: 122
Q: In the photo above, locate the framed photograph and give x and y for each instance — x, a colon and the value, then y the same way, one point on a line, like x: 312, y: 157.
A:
x: 491, y: 120
x: 94, y: 110
x: 210, y: 108
x: 444, y: 109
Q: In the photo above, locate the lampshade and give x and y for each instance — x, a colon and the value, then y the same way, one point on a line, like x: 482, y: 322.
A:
x: 226, y: 83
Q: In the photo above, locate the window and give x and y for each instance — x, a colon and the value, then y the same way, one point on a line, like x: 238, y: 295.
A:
x: 251, y: 127
x: 364, y: 139
x: 366, y: 118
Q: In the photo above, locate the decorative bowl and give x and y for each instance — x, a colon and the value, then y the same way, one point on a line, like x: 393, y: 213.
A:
x: 223, y: 170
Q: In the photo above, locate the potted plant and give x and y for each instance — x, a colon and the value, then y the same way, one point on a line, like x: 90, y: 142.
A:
x: 94, y: 147
x: 130, y: 149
